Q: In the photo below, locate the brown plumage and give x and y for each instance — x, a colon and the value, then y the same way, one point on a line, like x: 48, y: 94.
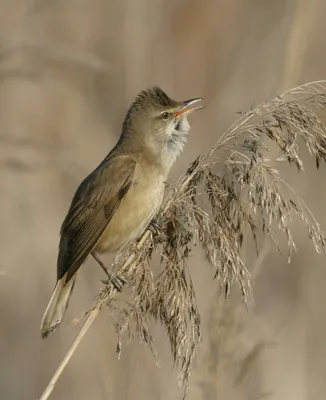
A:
x: 116, y: 202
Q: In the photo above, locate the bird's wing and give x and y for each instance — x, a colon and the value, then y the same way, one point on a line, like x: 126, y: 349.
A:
x: 91, y: 210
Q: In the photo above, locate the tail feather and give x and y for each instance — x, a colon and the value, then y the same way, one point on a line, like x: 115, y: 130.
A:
x: 57, y: 306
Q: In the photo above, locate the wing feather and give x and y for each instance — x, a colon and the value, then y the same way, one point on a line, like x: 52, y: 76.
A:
x: 91, y: 210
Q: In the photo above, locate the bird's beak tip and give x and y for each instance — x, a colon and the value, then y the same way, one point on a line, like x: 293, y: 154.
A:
x: 190, y: 102
x: 187, y: 107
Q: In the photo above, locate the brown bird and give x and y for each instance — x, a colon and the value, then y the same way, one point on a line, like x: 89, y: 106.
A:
x: 116, y: 202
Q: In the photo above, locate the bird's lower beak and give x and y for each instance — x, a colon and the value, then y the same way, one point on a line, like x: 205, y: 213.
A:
x: 187, y: 107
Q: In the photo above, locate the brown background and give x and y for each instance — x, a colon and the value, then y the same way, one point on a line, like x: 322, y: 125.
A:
x: 68, y: 70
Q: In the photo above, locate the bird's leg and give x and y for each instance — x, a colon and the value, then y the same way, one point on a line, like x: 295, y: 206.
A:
x: 100, y: 262
x: 116, y: 280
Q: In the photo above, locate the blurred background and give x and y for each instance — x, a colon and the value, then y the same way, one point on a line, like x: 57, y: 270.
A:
x: 68, y: 71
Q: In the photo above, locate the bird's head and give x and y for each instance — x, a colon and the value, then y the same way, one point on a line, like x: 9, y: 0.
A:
x: 159, y: 124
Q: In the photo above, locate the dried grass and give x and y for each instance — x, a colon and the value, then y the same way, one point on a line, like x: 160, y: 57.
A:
x: 229, y: 363
x: 226, y: 195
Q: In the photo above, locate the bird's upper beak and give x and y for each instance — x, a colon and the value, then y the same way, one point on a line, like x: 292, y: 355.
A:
x: 187, y: 108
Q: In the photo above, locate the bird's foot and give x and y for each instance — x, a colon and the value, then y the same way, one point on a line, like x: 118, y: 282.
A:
x: 155, y: 227
x: 116, y: 281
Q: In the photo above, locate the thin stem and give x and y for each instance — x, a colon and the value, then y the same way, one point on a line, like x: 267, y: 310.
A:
x: 88, y: 323
x: 105, y: 297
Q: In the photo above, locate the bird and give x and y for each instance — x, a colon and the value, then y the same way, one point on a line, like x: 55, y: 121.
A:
x: 118, y: 200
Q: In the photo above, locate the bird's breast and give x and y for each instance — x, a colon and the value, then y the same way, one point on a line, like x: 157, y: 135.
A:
x: 133, y: 214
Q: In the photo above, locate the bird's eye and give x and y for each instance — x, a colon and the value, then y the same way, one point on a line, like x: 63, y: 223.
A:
x: 165, y: 115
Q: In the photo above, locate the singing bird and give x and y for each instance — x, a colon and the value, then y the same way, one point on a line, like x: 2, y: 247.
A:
x: 116, y: 202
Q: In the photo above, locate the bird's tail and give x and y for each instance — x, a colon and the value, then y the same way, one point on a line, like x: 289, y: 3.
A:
x: 57, y: 306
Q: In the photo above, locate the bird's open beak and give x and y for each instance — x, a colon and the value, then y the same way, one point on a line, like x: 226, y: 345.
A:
x: 187, y: 107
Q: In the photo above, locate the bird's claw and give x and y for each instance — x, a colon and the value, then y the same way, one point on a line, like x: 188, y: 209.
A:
x: 155, y: 227
x: 116, y: 281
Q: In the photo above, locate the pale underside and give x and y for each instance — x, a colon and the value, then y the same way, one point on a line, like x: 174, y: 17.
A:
x: 133, y: 215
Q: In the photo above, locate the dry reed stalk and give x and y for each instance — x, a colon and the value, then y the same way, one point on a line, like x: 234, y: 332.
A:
x: 227, y: 194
